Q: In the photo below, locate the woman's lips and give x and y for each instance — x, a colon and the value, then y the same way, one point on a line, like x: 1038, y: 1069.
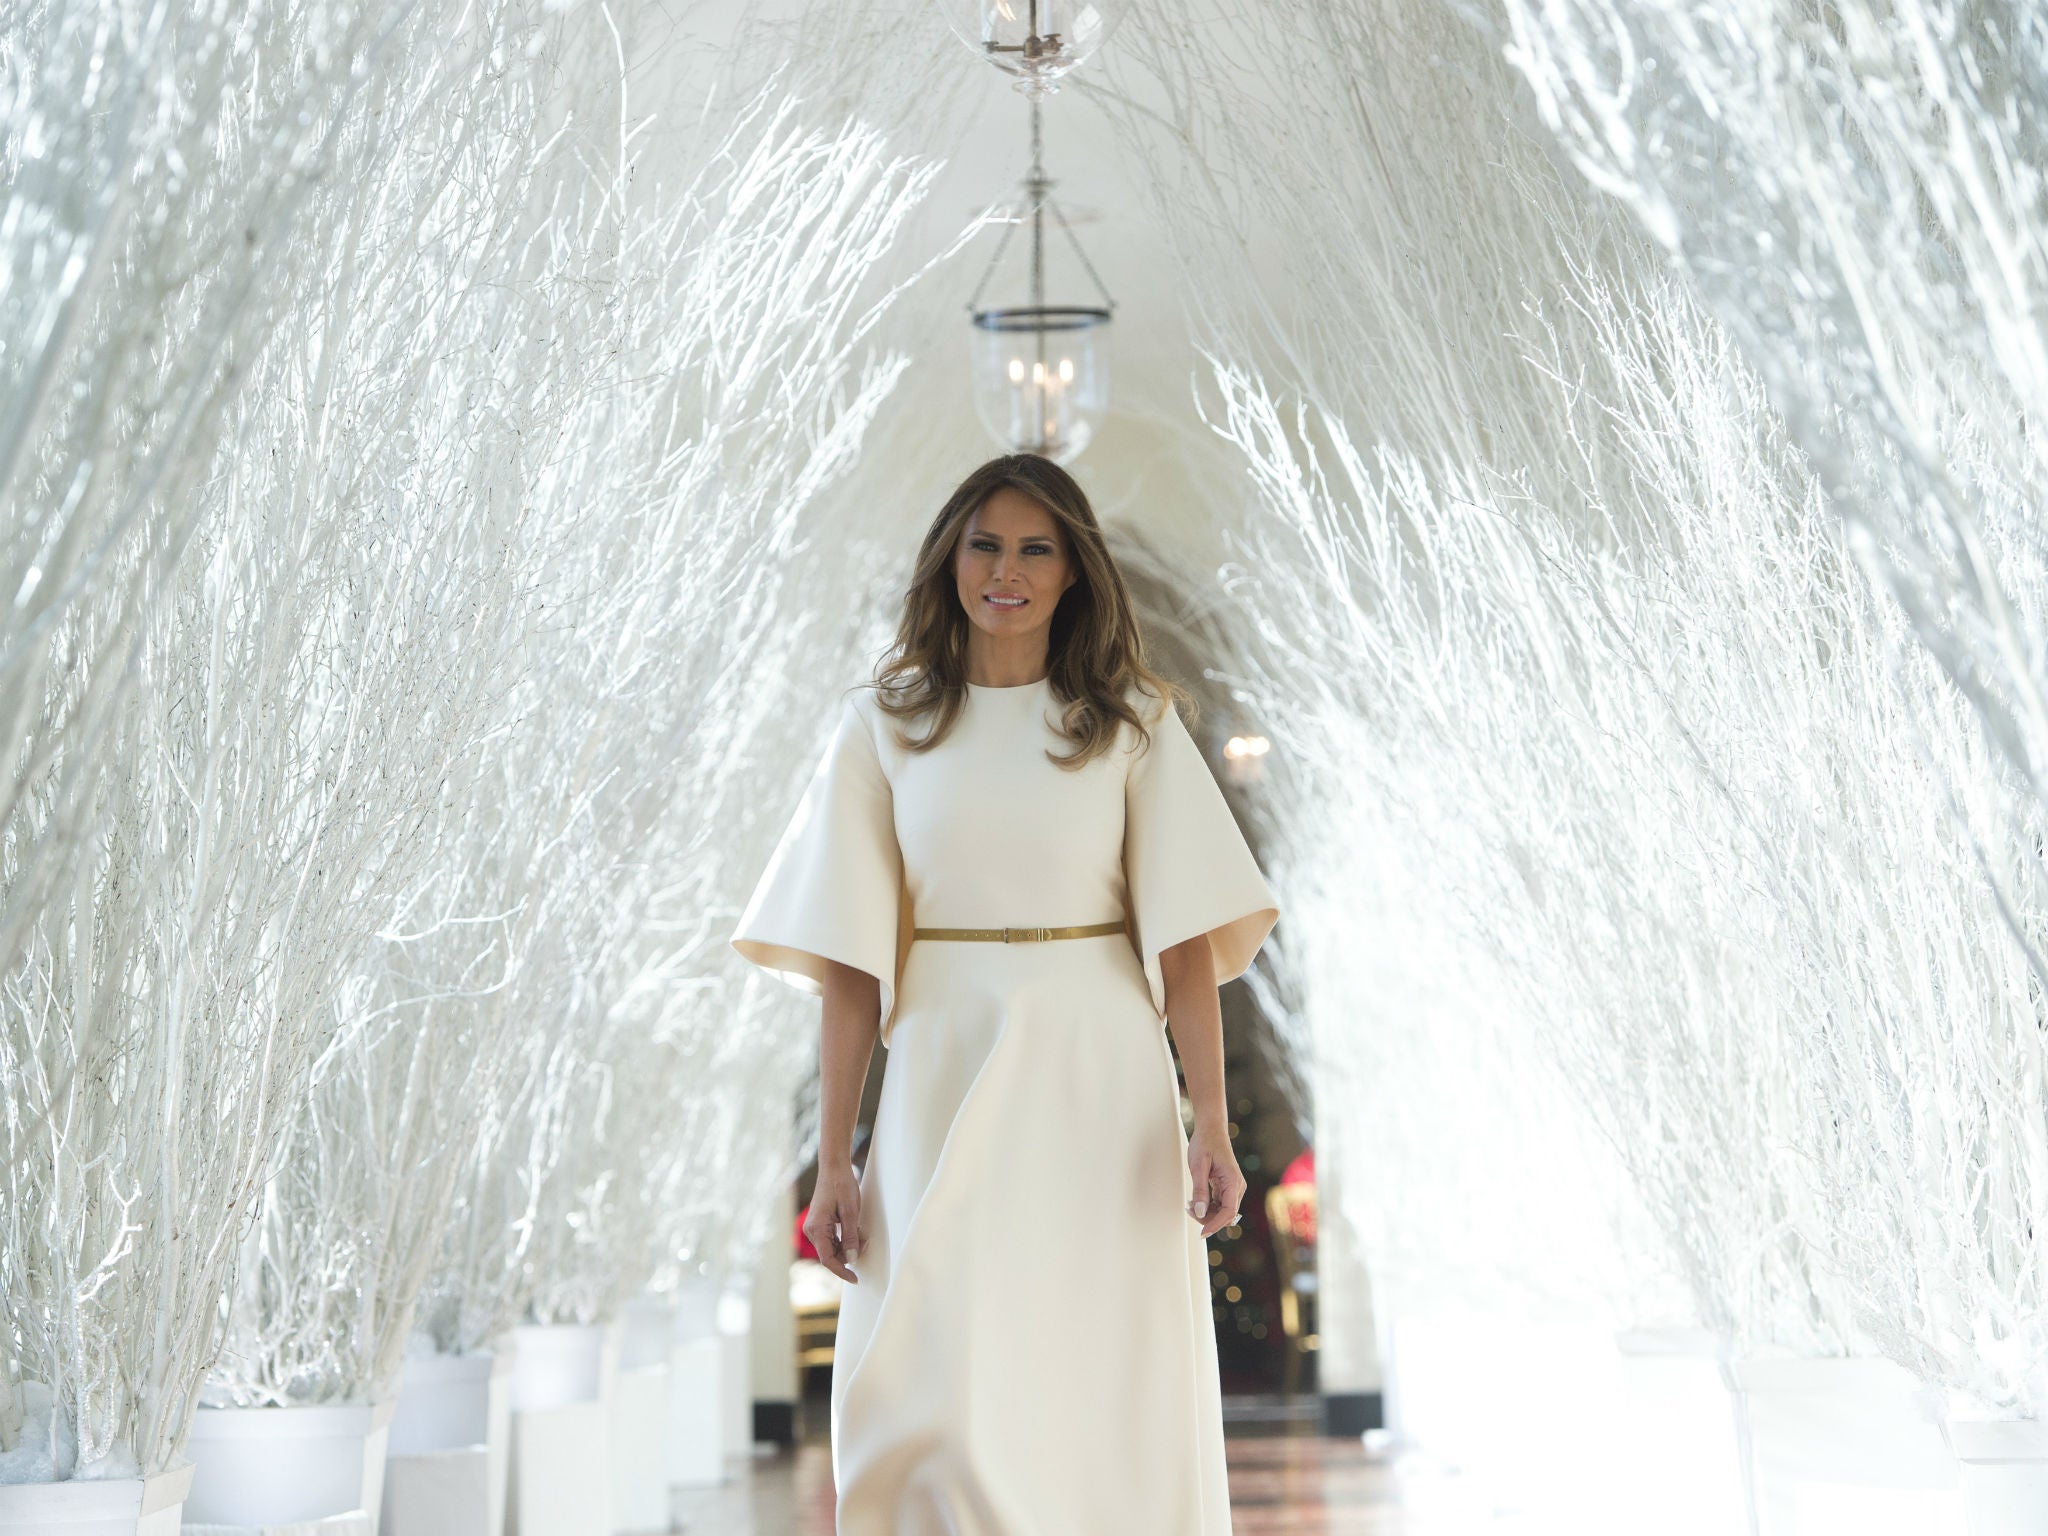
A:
x: 1006, y: 603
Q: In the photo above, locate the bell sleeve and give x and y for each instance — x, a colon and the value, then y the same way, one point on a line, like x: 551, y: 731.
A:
x: 1187, y: 867
x: 832, y: 890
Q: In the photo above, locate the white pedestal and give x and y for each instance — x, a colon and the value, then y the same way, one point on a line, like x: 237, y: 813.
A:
x: 498, y: 1437
x: 450, y: 1446
x: 561, y: 1472
x: 266, y: 1467
x: 697, y: 1445
x: 736, y: 1372
x: 442, y: 1493
x: 355, y: 1523
x: 1511, y: 1414
x: 639, y: 1446
x: 696, y: 1417
x: 637, y: 1392
x: 561, y: 1467
x: 2004, y: 1472
x: 376, y: 1451
x: 1678, y: 1453
x: 128, y: 1506
x: 1849, y: 1446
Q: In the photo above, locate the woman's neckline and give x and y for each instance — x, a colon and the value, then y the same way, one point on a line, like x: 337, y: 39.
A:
x: 1010, y: 687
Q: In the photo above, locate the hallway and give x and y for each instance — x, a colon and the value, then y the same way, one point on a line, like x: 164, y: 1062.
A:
x: 1285, y: 1480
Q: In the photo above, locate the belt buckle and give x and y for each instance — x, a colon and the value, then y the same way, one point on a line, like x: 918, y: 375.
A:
x: 1022, y: 934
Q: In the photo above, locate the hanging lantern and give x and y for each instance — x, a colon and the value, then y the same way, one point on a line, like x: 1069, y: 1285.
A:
x: 1037, y: 41
x: 1041, y: 378
x: 1041, y: 371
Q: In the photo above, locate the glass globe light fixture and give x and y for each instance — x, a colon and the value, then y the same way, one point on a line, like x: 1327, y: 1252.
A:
x: 1041, y: 371
x: 1041, y: 377
x: 1037, y: 41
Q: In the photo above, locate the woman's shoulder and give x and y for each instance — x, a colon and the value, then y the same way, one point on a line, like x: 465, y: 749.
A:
x: 1149, y: 703
x: 858, y: 710
x: 861, y: 713
x: 1154, y: 707
x: 1154, y: 710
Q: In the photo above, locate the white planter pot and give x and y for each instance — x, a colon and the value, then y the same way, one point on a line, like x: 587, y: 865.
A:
x: 647, y: 1326
x: 1848, y: 1445
x: 561, y: 1465
x: 695, y: 1302
x: 281, y: 1466
x: 444, y: 1401
x: 2004, y: 1472
x: 451, y: 1444
x: 558, y: 1365
x: 1678, y: 1463
x: 128, y: 1506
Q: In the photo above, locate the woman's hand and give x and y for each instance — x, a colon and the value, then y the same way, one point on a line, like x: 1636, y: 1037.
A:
x: 1219, y: 1186
x: 835, y: 1213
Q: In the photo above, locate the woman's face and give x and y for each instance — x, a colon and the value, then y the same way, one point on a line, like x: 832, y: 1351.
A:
x: 1011, y: 568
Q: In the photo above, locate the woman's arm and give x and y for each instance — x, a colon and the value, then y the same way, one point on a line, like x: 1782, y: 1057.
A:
x: 851, y: 1024
x: 1194, y: 1013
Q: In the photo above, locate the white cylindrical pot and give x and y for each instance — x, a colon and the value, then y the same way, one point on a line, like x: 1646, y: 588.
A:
x: 2004, y: 1472
x: 444, y: 1402
x: 1845, y: 1444
x: 1678, y: 1463
x: 557, y: 1365
x: 450, y: 1445
x: 695, y: 1300
x: 646, y: 1325
x: 560, y: 1481
x: 128, y: 1506
x: 277, y: 1466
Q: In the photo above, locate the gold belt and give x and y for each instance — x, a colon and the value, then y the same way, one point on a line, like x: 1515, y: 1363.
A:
x: 1018, y: 935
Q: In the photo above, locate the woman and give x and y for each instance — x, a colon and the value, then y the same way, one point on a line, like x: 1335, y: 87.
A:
x: 1024, y: 1343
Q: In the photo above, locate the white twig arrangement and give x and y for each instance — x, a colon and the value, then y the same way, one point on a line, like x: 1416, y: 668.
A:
x: 1683, y: 839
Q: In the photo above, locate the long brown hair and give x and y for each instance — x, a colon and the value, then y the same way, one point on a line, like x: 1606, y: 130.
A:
x: 1094, y: 650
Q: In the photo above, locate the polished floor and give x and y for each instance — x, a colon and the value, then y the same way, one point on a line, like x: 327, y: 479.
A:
x: 1285, y: 1480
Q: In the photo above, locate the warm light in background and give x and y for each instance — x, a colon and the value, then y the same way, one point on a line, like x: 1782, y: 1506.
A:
x: 1242, y: 758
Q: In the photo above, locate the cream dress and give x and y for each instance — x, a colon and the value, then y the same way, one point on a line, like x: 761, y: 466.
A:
x: 1030, y: 1350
